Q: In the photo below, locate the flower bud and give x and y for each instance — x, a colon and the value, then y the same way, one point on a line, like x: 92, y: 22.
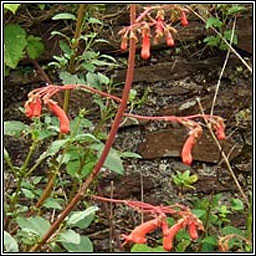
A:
x: 33, y: 107
x: 183, y: 19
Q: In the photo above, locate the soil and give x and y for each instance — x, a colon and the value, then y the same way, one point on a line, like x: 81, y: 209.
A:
x: 149, y: 178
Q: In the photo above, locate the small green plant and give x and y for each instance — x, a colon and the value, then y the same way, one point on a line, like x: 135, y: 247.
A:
x: 184, y: 180
x: 220, y: 22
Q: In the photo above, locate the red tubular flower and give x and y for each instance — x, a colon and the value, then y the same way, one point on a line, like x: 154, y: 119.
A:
x: 186, y: 154
x: 169, y: 39
x: 139, y: 233
x: 168, y: 239
x: 124, y: 43
x: 33, y: 107
x: 145, y: 49
x: 219, y: 128
x: 192, y: 230
x: 183, y: 19
x: 60, y: 113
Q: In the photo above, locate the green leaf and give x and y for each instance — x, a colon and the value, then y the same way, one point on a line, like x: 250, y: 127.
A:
x: 12, y: 7
x: 209, y: 243
x: 41, y: 6
x: 10, y: 244
x: 94, y: 21
x: 213, y: 22
x: 236, y: 9
x: 212, y: 40
x: 192, y: 179
x: 88, y: 66
x: 65, y: 47
x: 73, y: 167
x: 113, y: 160
x: 69, y: 236
x: 56, y: 146
x: 14, y: 128
x: 78, y: 216
x: 52, y: 203
x: 227, y: 36
x: 146, y: 248
x: 182, y: 246
x: 37, y: 224
x: 199, y: 213
x: 85, y: 245
x: 6, y: 154
x: 35, y: 47
x: 68, y: 78
x: 64, y: 16
x: 128, y: 154
x: 85, y: 137
x: 28, y: 193
x: 14, y: 44
x: 229, y: 230
x: 237, y: 204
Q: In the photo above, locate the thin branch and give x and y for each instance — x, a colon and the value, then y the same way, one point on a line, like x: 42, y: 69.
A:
x: 224, y: 156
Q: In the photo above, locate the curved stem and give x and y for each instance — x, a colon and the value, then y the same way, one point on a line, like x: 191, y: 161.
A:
x: 110, y: 140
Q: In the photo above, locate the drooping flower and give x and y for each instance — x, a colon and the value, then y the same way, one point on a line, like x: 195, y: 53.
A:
x: 169, y: 236
x: 186, y: 153
x: 183, y: 19
x: 33, y: 107
x: 145, y: 49
x: 60, y: 113
x: 169, y: 39
x: 219, y: 128
x: 192, y: 230
x: 139, y: 233
x: 124, y: 43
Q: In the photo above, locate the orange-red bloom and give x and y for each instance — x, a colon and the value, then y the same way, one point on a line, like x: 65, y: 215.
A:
x: 124, y: 43
x: 169, y: 39
x: 192, y: 230
x: 33, y: 107
x: 139, y: 233
x: 168, y: 238
x: 145, y: 50
x: 186, y: 153
x: 60, y: 113
x: 183, y: 19
x: 219, y: 128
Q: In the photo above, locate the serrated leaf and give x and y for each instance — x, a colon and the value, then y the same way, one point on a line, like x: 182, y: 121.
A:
x: 212, y: 40
x: 12, y: 7
x: 13, y: 51
x: 85, y: 245
x: 35, y: 47
x: 88, y: 66
x: 199, y: 213
x: 37, y: 224
x: 28, y: 193
x: 236, y: 9
x: 213, y: 22
x: 10, y: 244
x: 14, y: 128
x: 80, y: 215
x: 69, y: 236
x: 209, y: 243
x: 68, y: 78
x: 64, y: 16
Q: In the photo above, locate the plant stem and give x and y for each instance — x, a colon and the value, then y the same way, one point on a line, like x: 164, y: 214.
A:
x: 22, y: 174
x: 74, y: 46
x: 110, y: 140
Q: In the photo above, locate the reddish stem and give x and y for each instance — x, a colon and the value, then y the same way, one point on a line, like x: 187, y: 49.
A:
x: 110, y: 140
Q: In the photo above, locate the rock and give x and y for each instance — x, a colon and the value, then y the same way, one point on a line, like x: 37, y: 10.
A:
x: 169, y: 143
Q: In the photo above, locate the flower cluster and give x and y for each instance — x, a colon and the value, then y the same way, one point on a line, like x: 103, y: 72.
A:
x: 161, y: 24
x: 33, y: 106
x: 196, y: 132
x: 185, y: 220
